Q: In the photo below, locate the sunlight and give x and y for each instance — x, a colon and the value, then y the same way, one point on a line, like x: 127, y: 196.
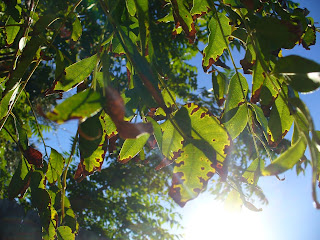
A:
x: 210, y: 220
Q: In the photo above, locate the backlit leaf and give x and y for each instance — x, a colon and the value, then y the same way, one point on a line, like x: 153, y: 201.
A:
x: 280, y: 120
x: 156, y: 131
x: 236, y: 120
x: 55, y: 166
x: 219, y: 85
x: 65, y: 233
x: 74, y: 74
x: 309, y: 37
x: 131, y: 7
x: 78, y: 106
x: 253, y: 172
x: 258, y: 78
x: 217, y: 39
x: 302, y: 74
x: 183, y: 18
x: 76, y: 29
x: 131, y: 147
x: 200, y: 7
x: 191, y: 173
x: 237, y: 92
x: 287, y: 159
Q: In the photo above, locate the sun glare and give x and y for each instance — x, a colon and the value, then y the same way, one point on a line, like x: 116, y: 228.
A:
x: 210, y: 220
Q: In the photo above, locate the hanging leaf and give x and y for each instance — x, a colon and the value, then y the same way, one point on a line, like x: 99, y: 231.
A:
x: 7, y: 101
x: 131, y: 147
x: 93, y: 146
x: 184, y: 19
x: 108, y: 125
x: 253, y: 172
x: 79, y: 106
x: 261, y: 119
x: 258, y: 79
x: 55, y: 166
x: 219, y: 84
x: 22, y: 135
x: 191, y: 173
x: 20, y: 180
x: 236, y: 120
x: 76, y: 29
x: 237, y: 92
x: 288, y: 159
x: 74, y: 75
x: 217, y: 40
x: 156, y: 131
x: 302, y: 74
x: 280, y: 120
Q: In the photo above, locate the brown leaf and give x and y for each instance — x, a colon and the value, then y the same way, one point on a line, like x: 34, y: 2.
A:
x: 116, y: 110
x: 33, y: 156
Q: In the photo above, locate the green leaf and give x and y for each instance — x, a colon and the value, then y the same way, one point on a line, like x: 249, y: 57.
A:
x: 55, y: 166
x: 253, y: 172
x: 20, y: 180
x: 90, y: 135
x: 76, y: 29
x: 50, y: 217
x: 236, y: 120
x: 183, y: 18
x: 191, y: 173
x: 237, y: 92
x: 261, y: 118
x: 7, y: 101
x: 217, y: 39
x: 288, y: 159
x: 65, y: 233
x: 131, y: 7
x: 280, y: 120
x: 22, y: 135
x: 156, y: 131
x: 131, y: 147
x: 273, y: 33
x: 171, y: 141
x: 302, y: 74
x: 258, y: 79
x: 78, y: 106
x: 11, y: 31
x: 200, y: 7
x: 219, y: 85
x: 93, y: 159
x: 108, y: 125
x: 75, y: 74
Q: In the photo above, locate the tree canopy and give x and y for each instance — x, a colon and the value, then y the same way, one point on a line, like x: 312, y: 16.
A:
x: 124, y: 71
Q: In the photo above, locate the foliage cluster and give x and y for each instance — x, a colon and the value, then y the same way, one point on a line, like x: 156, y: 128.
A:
x: 127, y: 64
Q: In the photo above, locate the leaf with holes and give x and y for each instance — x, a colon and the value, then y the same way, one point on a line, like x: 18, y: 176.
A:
x: 78, y: 106
x: 131, y: 147
x: 217, y: 40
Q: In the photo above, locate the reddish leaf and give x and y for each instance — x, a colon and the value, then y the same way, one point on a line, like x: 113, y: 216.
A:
x: 33, y: 156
